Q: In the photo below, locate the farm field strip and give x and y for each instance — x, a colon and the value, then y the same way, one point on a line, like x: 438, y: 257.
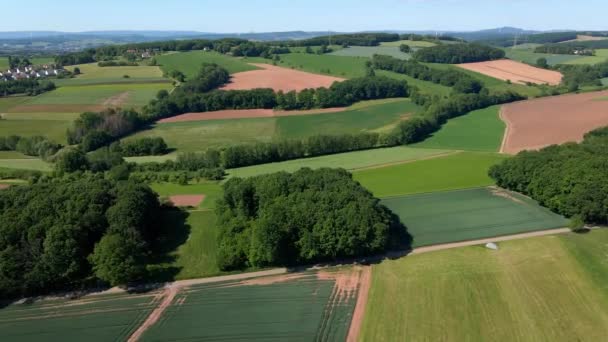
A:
x: 453, y: 216
x: 279, y: 79
x: 466, y: 170
x: 370, y: 51
x: 562, y: 119
x: 528, y: 290
x: 25, y: 164
x: 338, y: 66
x: 514, y: 71
x: 190, y: 62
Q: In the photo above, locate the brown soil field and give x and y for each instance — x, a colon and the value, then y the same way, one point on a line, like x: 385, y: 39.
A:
x: 278, y: 78
x: 187, y: 200
x: 4, y: 186
x: 246, y: 114
x: 515, y: 72
x: 538, y: 123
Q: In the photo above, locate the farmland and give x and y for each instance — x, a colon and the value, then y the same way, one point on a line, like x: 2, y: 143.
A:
x: 571, y: 116
x: 442, y: 217
x: 369, y: 51
x: 190, y: 62
x: 529, y: 290
x: 348, y: 161
x: 93, y: 74
x: 515, y: 72
x: 411, y: 43
x: 199, y: 135
x: 338, y: 66
x: 457, y: 171
x: 480, y: 130
x: 530, y: 57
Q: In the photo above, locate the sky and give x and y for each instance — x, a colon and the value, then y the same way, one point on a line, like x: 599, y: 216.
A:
x: 226, y: 16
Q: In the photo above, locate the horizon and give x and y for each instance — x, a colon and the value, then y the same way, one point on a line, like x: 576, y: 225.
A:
x: 338, y: 16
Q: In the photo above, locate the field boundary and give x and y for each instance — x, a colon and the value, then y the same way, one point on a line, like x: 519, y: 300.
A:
x: 380, y: 166
x: 505, y: 136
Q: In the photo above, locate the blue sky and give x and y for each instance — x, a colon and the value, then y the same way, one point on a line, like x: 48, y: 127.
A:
x: 285, y: 15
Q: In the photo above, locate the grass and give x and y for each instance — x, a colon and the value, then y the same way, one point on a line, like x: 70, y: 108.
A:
x: 480, y: 130
x: 304, y: 309
x: 211, y: 190
x: 51, y: 125
x: 93, y: 74
x: 21, y: 163
x: 339, y: 66
x: 103, y: 318
x: 411, y: 43
x: 6, y: 103
x: 78, y: 98
x: 530, y: 57
x: 369, y: 51
x: 539, y: 289
x: 494, y: 85
x: 444, y: 217
x: 379, y: 115
x: 458, y: 171
x: 348, y: 161
x: 190, y: 62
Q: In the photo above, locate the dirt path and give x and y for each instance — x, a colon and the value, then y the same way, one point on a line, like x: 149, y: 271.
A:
x: 168, y: 296
x: 508, y: 125
x: 365, y: 282
x: 117, y: 100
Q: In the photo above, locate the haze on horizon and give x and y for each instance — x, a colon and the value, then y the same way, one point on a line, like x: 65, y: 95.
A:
x: 312, y: 15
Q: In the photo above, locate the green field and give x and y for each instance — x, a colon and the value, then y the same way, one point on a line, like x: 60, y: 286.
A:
x: 191, y: 251
x: 190, y: 62
x: 451, y: 216
x: 493, y: 84
x: 305, y: 309
x: 36, y: 124
x: 411, y: 43
x: 348, y: 161
x: 102, y: 318
x: 480, y: 130
x: 93, y: 74
x: 530, y: 57
x: 339, y: 66
x: 457, y: 171
x: 199, y: 135
x: 369, y: 51
x: 601, y: 55
x: 541, y: 289
x: 24, y: 163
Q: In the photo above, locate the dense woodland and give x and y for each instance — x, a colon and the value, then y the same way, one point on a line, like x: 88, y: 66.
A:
x: 309, y: 216
x: 458, y: 53
x: 36, y: 146
x: 583, y: 75
x: 570, y: 179
x: 70, y: 233
x: 29, y: 87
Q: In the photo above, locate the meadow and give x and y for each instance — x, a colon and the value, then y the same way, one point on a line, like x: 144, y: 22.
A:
x: 410, y: 43
x: 456, y: 171
x: 339, y: 66
x: 200, y: 135
x: 480, y: 130
x: 461, y: 215
x: 17, y: 161
x: 99, y: 318
x: 540, y: 289
x: 190, y: 63
x: 527, y: 55
x: 30, y: 124
x: 601, y: 55
x: 93, y: 74
x: 349, y: 161
x: 306, y: 308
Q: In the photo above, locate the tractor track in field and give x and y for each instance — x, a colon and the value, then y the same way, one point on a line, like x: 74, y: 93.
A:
x: 380, y: 166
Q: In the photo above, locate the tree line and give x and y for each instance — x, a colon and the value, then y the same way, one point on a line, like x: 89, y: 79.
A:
x: 461, y: 81
x: 569, y: 179
x: 70, y: 232
x: 564, y: 49
x: 27, y: 86
x: 583, y: 75
x: 309, y: 216
x: 458, y: 53
x: 355, y: 39
x: 35, y: 146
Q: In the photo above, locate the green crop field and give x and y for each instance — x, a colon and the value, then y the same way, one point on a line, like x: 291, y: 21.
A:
x: 190, y: 62
x: 457, y: 171
x: 4, y: 63
x: 601, y: 55
x: 55, y: 130
x: 102, y: 318
x: 480, y: 130
x: 23, y: 163
x: 93, y: 74
x: 304, y: 309
x: 369, y: 51
x: 200, y: 135
x: 191, y: 253
x: 530, y: 57
x: 542, y: 289
x: 451, y: 216
x: 339, y: 66
x: 493, y: 84
x: 82, y: 98
x: 348, y: 161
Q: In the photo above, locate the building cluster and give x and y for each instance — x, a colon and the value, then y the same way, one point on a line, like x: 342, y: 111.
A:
x: 31, y: 72
x: 144, y: 54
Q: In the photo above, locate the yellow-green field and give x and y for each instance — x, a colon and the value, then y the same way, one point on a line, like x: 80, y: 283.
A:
x: 93, y: 74
x: 541, y: 289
